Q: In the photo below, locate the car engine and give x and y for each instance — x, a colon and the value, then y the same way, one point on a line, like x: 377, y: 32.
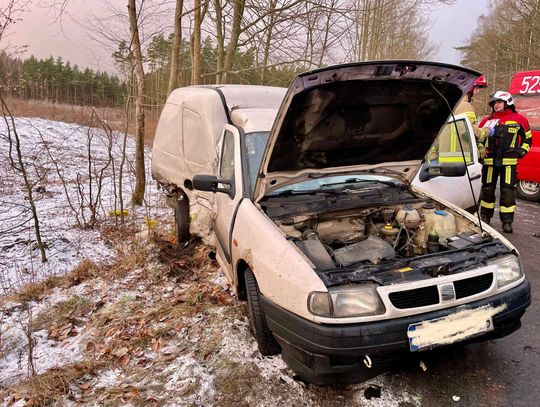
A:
x: 378, y: 234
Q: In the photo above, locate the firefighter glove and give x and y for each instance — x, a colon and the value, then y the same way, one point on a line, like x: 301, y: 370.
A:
x: 521, y: 152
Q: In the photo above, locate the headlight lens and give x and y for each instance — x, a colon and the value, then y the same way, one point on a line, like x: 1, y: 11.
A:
x: 508, y: 270
x: 346, y: 301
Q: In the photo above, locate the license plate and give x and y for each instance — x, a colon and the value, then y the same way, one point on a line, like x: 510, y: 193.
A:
x: 450, y: 329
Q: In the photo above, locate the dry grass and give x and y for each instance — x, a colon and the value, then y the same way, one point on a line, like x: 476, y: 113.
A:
x: 115, y: 117
x: 85, y: 270
x: 44, y: 389
x: 29, y: 292
x: 63, y: 313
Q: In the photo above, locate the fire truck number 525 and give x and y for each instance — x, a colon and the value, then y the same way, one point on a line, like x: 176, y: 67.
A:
x: 530, y: 84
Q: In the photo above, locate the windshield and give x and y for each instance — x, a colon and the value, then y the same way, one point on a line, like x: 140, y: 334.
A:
x: 255, y: 144
x: 529, y: 106
x: 330, y: 183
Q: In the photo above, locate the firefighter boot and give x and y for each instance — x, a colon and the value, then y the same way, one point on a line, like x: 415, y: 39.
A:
x: 485, y: 219
x: 507, y: 227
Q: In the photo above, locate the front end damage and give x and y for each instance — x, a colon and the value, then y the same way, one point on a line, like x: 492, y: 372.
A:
x: 435, y: 279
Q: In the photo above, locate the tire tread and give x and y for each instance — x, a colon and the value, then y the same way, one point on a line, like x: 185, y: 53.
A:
x: 266, y: 342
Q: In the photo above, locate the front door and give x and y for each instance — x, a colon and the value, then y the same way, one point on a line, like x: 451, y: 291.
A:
x: 447, y: 149
x: 226, y: 205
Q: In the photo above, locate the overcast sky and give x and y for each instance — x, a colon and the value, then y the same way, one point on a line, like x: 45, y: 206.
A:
x: 452, y: 26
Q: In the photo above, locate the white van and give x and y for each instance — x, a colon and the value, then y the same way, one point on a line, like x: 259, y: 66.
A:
x: 187, y: 139
x: 343, y: 261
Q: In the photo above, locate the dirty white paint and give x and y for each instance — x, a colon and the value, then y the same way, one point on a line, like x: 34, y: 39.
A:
x: 453, y: 328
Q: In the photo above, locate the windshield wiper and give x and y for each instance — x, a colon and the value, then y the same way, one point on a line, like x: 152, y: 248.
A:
x: 406, y: 183
x: 289, y: 192
x: 359, y: 180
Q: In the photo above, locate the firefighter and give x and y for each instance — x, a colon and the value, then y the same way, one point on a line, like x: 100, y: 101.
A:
x: 465, y: 106
x: 446, y: 148
x: 509, y: 139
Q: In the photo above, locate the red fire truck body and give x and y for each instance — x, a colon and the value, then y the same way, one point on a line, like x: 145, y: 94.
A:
x: 525, y: 87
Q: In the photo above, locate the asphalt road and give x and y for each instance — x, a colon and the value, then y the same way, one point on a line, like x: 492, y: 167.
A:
x: 503, y: 372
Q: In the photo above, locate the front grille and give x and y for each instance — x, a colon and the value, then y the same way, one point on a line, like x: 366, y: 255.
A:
x: 474, y: 285
x: 419, y: 297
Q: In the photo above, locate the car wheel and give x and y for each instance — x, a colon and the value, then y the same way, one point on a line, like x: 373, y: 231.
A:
x: 528, y: 190
x: 266, y: 342
x: 181, y: 218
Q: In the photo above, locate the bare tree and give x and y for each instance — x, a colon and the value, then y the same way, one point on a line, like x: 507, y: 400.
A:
x: 506, y: 40
x: 18, y: 164
x: 219, y: 39
x: 177, y: 42
x: 196, y: 45
x: 140, y: 177
x: 238, y: 13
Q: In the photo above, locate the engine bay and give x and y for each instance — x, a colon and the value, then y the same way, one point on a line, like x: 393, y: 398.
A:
x: 419, y: 239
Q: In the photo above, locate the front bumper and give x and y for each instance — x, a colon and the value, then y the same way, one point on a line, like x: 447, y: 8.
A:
x: 317, y: 350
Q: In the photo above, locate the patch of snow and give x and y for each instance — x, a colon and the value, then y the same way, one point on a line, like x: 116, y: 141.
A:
x: 107, y: 378
x: 47, y: 353
x: 240, y: 346
x: 64, y: 182
x: 184, y: 375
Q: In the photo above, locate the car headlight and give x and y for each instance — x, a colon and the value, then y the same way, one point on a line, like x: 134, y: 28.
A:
x: 346, y: 301
x: 508, y: 270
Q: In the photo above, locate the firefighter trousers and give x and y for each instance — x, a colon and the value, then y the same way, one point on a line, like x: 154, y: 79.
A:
x: 507, y: 175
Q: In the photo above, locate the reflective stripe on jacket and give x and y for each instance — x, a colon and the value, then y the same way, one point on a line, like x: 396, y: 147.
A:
x: 511, y: 140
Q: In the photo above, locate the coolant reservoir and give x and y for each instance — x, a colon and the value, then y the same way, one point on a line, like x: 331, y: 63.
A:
x: 441, y: 222
x: 408, y: 216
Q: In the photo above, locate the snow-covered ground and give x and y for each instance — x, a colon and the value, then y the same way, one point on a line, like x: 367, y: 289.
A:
x: 70, y: 168
x: 207, y: 356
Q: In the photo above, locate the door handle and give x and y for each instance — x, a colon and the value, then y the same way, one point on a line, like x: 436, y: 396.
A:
x: 475, y: 176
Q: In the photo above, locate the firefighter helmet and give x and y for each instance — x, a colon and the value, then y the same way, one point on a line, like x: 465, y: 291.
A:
x: 480, y: 82
x: 506, y: 97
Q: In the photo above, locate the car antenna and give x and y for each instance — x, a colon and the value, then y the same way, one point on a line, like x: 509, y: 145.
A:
x: 462, y: 152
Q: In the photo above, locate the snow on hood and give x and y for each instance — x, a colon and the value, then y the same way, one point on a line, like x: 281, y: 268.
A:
x: 363, y: 116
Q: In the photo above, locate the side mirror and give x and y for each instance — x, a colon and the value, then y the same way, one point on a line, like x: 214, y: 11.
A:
x: 211, y: 183
x: 433, y: 170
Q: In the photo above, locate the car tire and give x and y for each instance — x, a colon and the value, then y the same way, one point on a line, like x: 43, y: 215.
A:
x: 266, y: 342
x: 528, y: 190
x: 181, y: 218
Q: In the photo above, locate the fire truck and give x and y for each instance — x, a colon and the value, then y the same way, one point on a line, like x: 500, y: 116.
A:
x: 525, y: 87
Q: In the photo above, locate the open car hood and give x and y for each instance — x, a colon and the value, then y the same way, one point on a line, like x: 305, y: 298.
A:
x: 373, y: 116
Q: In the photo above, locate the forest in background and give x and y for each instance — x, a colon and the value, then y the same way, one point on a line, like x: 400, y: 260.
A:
x: 251, y: 43
x: 219, y: 41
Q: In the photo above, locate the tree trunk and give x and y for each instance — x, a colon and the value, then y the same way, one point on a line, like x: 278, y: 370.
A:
x: 268, y: 41
x: 177, y: 41
x: 219, y: 40
x: 140, y: 178
x: 235, y: 34
x: 196, y: 45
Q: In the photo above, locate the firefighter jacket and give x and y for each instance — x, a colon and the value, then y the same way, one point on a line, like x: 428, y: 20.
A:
x: 510, y: 141
x: 466, y: 107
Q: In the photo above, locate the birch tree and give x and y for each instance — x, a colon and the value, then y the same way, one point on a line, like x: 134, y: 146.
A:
x: 140, y: 176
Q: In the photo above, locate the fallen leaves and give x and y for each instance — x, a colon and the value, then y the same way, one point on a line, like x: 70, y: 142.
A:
x: 62, y: 332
